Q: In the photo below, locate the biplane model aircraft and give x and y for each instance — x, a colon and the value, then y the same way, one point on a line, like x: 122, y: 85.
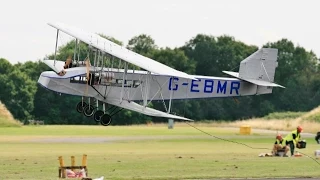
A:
x: 107, y: 85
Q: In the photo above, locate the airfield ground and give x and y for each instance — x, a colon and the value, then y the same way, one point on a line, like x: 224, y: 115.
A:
x: 148, y: 152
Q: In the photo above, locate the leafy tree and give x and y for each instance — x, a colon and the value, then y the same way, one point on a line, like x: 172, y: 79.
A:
x: 112, y: 39
x: 32, y: 69
x: 5, y: 66
x: 69, y: 49
x: 213, y: 55
x: 298, y: 71
x: 292, y: 60
x: 142, y: 44
x: 17, y: 93
x: 174, y: 58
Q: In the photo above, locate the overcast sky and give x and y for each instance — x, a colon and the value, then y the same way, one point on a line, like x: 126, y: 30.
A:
x: 25, y: 35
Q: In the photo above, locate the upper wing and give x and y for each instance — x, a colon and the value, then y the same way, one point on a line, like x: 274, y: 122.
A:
x: 120, y: 52
x: 144, y: 110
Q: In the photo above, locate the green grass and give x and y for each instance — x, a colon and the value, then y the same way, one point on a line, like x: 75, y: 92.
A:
x: 284, y: 115
x: 78, y: 130
x: 186, y: 154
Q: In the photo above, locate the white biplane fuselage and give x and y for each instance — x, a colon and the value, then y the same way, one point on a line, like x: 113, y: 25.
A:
x: 121, y: 87
x: 160, y: 86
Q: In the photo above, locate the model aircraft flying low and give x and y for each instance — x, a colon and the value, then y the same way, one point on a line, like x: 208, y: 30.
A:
x: 107, y: 85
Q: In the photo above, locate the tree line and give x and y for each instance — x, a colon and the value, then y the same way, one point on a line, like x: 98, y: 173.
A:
x: 298, y: 71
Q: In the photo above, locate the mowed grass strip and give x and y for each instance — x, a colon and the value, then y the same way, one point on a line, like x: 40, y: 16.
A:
x: 79, y: 130
x: 184, y: 158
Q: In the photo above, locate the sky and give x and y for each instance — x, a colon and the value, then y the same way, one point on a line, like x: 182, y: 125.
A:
x: 25, y: 34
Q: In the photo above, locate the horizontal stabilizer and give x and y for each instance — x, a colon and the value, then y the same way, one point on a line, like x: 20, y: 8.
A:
x: 55, y: 65
x: 58, y: 67
x: 253, y: 81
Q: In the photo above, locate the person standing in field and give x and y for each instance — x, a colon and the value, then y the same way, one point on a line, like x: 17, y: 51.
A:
x: 292, y: 139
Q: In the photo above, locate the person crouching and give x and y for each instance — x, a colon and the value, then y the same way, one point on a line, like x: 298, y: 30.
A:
x: 280, y: 146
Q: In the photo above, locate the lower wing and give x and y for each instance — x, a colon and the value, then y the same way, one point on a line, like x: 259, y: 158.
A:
x: 144, y: 110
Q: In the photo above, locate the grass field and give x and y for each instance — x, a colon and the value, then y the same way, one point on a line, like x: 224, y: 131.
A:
x: 146, y: 152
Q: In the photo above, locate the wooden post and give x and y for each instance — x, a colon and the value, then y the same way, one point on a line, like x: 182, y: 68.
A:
x: 84, y: 160
x: 63, y: 171
x: 84, y: 163
x: 170, y: 124
x: 73, y: 162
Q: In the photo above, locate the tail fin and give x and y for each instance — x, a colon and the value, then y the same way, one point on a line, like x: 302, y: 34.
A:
x: 261, y: 65
x: 259, y: 68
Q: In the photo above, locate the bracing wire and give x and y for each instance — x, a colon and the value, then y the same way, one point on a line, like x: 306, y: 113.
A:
x: 243, y: 144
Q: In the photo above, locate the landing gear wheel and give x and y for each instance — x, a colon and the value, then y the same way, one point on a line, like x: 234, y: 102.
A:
x: 105, y: 119
x: 97, y: 115
x: 81, y: 106
x: 88, y: 110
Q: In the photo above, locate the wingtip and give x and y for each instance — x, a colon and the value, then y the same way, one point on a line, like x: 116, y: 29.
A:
x: 278, y: 85
x: 50, y: 24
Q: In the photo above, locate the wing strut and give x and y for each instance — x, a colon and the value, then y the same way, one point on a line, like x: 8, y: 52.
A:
x: 123, y: 79
x: 171, y: 93
x: 159, y: 91
x: 146, y: 89
x: 75, y: 52
x: 55, y: 51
